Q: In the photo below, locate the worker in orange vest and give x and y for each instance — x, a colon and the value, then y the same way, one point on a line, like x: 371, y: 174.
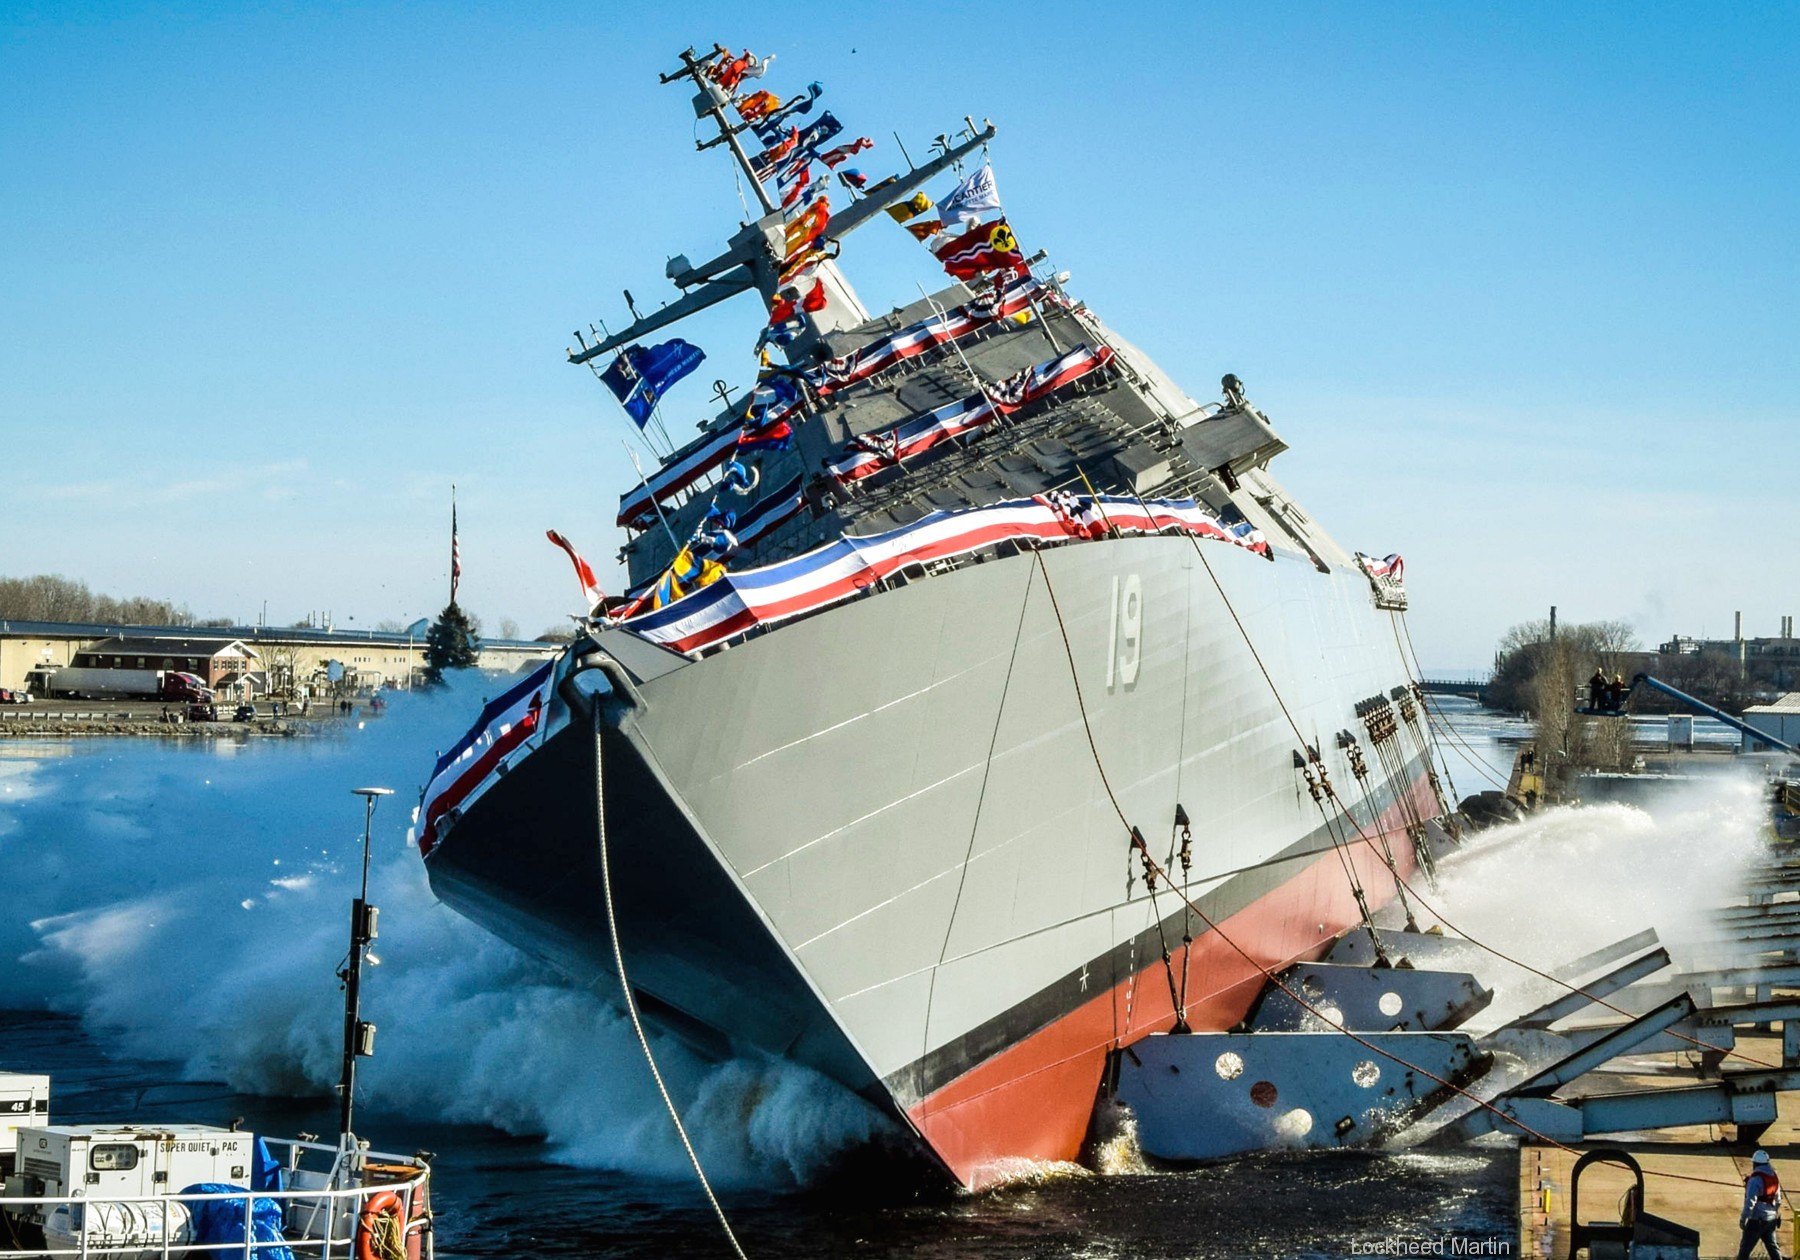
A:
x: 1761, y: 1214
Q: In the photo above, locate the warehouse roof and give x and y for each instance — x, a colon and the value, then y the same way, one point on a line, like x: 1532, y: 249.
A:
x: 135, y: 646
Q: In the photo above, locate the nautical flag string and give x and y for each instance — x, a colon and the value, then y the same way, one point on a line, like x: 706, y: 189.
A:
x: 833, y: 157
x: 769, y: 128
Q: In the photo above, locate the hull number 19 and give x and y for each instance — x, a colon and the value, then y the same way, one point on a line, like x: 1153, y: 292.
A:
x: 1125, y: 631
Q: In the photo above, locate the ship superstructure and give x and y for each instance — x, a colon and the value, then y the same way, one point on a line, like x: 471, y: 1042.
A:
x: 958, y: 615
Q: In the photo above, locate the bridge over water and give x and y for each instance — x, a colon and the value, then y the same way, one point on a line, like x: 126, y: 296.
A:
x: 1470, y: 687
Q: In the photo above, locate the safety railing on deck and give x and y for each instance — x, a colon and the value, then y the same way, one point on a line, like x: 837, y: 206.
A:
x: 387, y: 1219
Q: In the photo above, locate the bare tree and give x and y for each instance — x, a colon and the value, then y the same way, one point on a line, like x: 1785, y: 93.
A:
x: 282, y: 663
x: 52, y: 597
x: 1554, y: 673
x: 508, y: 628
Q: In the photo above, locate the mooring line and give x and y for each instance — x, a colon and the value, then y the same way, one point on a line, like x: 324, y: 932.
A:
x: 1431, y: 909
x: 631, y: 1008
x: 1268, y: 975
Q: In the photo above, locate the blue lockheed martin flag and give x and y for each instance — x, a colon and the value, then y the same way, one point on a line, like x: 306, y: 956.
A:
x: 641, y: 375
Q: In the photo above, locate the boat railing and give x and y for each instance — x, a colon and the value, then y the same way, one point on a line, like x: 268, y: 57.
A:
x: 320, y: 1220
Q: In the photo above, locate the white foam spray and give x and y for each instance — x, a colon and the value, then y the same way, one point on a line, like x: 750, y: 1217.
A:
x: 1574, y: 879
x: 191, y: 902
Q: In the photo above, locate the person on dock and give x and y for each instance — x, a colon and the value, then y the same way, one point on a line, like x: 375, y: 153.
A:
x: 1597, y: 689
x: 1761, y: 1213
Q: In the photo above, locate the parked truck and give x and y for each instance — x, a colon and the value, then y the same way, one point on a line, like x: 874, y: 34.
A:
x: 75, y: 683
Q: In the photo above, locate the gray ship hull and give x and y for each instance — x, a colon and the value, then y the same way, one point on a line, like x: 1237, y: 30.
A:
x: 878, y: 841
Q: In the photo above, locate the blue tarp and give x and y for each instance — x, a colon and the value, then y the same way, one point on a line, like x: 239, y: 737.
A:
x: 265, y: 1170
x: 222, y: 1220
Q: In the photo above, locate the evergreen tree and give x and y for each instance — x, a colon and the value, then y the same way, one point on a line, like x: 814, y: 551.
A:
x: 449, y: 644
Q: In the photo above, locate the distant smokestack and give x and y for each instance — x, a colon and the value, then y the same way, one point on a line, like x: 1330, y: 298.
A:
x: 1737, y: 627
x: 1553, y: 622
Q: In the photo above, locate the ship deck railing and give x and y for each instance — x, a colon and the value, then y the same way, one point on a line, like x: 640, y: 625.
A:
x: 943, y: 358
x: 319, y: 1221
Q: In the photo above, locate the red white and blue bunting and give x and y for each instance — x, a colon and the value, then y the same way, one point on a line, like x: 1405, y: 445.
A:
x: 1008, y: 300
x: 505, y: 724
x: 869, y: 453
x: 843, y: 569
x: 637, y: 507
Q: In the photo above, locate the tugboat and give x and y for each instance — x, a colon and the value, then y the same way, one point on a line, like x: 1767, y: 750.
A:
x: 154, y: 1191
x: 932, y: 639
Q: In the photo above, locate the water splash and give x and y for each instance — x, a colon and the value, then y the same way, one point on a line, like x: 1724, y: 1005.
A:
x: 1572, y: 879
x: 190, y: 902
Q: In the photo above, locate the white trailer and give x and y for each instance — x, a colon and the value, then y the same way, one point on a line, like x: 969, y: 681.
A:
x: 103, y: 684
x: 82, y: 683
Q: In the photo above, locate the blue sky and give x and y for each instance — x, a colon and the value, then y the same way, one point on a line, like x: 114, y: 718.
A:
x: 1516, y: 283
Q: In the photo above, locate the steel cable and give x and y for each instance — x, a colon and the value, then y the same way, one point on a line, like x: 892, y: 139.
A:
x: 1431, y: 909
x: 631, y: 1009
x: 1268, y: 975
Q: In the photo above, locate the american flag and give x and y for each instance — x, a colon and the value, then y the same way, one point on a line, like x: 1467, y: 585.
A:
x: 455, y: 551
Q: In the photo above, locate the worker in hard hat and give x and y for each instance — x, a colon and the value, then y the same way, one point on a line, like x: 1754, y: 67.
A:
x: 1761, y: 1214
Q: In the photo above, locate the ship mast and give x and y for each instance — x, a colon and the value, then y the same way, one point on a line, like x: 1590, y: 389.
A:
x: 711, y: 103
x: 751, y: 261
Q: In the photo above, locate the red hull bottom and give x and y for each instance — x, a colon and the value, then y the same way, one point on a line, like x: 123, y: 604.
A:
x: 1033, y: 1100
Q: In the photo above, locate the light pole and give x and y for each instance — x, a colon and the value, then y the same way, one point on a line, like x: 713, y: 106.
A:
x: 359, y: 1038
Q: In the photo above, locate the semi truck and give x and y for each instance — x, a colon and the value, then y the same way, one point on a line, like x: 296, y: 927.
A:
x: 83, y: 683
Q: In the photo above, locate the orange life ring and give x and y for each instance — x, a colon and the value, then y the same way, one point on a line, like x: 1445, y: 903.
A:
x: 382, y: 1203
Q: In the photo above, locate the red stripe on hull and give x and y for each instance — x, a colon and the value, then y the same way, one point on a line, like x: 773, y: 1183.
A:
x: 1033, y: 1100
x: 474, y: 776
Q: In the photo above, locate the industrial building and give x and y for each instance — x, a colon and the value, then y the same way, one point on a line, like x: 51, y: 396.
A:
x: 283, y: 659
x: 1780, y: 720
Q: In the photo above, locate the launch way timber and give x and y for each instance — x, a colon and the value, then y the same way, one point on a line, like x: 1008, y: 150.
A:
x: 932, y: 639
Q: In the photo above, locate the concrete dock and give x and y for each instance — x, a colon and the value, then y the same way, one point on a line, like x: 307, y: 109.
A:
x: 1692, y: 1175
